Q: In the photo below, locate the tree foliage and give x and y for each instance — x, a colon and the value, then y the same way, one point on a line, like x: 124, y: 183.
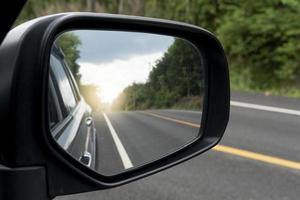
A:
x: 178, y: 74
x: 261, y: 38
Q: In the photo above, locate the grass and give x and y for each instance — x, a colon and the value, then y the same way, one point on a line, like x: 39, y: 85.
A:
x: 293, y: 92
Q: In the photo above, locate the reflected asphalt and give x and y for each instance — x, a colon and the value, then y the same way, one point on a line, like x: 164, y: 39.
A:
x: 144, y: 137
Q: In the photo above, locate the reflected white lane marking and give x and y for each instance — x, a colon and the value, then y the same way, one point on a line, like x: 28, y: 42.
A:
x: 122, y: 152
x: 265, y: 108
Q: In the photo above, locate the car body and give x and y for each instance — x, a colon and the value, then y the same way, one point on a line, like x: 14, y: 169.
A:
x: 70, y: 117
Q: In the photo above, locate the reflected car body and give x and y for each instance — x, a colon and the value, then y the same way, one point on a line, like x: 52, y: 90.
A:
x: 70, y: 117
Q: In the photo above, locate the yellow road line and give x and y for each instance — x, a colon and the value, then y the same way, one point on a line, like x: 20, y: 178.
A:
x: 173, y: 120
x: 239, y: 152
x: 258, y: 156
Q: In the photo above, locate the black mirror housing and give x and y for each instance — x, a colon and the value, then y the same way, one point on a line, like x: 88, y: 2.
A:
x: 24, y: 57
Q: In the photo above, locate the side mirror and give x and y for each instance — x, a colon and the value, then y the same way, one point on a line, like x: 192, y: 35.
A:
x: 102, y: 100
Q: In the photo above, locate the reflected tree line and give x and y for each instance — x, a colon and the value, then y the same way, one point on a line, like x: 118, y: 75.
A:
x: 175, y: 81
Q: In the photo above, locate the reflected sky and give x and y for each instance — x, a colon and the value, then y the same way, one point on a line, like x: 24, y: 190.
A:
x: 114, y: 60
x: 107, y: 46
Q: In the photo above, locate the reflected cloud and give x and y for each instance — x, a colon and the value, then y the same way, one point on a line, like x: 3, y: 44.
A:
x: 107, y: 46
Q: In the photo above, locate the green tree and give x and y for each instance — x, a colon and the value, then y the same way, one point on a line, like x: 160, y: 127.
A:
x: 37, y: 8
x: 178, y: 74
x: 262, y: 40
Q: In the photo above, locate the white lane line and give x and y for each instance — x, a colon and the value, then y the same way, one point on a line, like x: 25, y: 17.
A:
x: 122, y: 152
x: 265, y: 108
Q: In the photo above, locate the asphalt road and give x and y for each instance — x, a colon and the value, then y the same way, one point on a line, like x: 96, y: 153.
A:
x: 215, y: 174
x: 144, y: 137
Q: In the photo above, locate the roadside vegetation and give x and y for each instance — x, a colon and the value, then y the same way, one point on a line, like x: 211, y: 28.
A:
x: 261, y: 38
x: 175, y: 81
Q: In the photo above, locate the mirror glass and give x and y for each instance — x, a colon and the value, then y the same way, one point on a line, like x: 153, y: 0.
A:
x: 119, y: 100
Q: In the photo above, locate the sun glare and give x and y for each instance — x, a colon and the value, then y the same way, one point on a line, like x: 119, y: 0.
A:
x: 112, y: 78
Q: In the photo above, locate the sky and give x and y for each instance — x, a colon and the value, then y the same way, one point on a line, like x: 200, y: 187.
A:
x: 114, y: 60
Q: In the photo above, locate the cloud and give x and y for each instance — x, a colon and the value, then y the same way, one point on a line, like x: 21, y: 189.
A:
x: 107, y: 46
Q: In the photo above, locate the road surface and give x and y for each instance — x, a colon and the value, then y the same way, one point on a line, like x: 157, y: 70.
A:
x: 144, y: 137
x: 262, y: 162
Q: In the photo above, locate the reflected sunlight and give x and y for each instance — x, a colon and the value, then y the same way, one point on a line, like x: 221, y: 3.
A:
x: 113, y: 77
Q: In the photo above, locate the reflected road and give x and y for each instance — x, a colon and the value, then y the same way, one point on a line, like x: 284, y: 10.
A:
x: 144, y: 136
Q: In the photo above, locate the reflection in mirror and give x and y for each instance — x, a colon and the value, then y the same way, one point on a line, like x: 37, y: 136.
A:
x: 118, y: 100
